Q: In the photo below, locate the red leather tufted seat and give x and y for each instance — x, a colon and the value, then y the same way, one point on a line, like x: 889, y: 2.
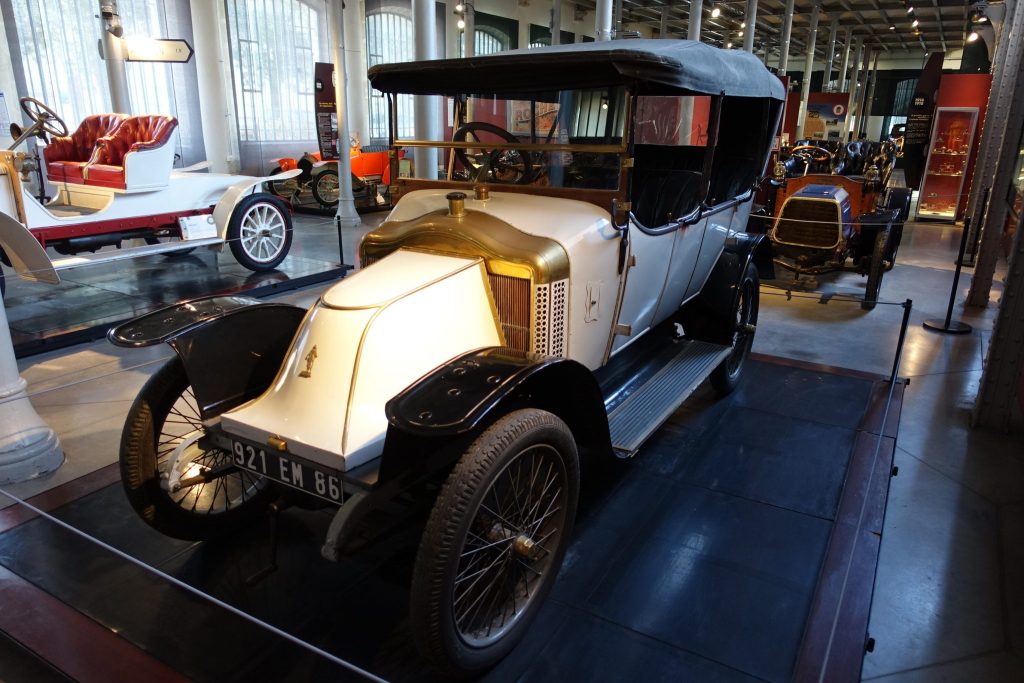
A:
x: 65, y: 157
x: 136, y: 134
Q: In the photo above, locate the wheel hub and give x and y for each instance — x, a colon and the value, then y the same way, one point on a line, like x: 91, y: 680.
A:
x: 524, y: 546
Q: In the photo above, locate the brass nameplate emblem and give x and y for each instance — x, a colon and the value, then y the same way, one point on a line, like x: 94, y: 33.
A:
x: 310, y: 359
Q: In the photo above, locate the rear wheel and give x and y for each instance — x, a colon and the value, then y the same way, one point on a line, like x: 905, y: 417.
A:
x: 494, y: 542
x: 285, y: 189
x: 875, y: 271
x: 727, y: 375
x: 260, y: 232
x: 160, y: 452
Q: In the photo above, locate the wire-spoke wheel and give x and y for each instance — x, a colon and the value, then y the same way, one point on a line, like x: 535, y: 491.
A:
x: 727, y: 375
x: 176, y: 485
x: 326, y: 188
x: 260, y: 232
x: 495, y: 541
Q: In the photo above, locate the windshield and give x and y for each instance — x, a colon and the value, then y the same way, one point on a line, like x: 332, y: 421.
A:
x: 570, y: 138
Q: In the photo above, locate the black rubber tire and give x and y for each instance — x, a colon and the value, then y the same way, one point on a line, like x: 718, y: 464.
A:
x: 726, y: 377
x: 140, y: 474
x: 875, y: 271
x: 431, y: 601
x: 235, y: 226
x: 323, y: 196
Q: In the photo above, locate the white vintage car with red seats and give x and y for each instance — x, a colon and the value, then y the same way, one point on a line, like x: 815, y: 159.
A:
x: 115, y: 182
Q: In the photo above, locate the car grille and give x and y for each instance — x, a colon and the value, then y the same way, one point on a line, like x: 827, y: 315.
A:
x: 809, y: 223
x: 512, y: 299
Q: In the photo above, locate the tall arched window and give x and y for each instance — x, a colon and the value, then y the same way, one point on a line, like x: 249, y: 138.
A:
x: 389, y: 39
x: 489, y: 40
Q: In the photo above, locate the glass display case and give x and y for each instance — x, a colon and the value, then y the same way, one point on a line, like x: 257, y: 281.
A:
x: 952, y: 143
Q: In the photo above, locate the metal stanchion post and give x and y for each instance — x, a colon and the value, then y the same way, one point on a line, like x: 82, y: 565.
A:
x: 950, y: 326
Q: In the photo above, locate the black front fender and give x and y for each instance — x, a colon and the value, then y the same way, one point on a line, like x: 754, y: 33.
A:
x: 231, y: 346
x: 469, y: 391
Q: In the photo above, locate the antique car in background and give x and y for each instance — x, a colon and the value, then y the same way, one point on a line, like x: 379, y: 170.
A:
x: 371, y: 176
x: 115, y: 182
x: 825, y: 212
x: 588, y: 275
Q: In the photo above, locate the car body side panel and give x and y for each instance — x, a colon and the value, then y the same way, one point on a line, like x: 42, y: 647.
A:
x: 716, y: 231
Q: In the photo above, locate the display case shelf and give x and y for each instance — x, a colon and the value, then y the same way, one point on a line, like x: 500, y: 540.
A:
x: 952, y: 130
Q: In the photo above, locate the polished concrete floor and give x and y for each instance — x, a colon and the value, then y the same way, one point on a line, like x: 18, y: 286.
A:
x: 949, y: 595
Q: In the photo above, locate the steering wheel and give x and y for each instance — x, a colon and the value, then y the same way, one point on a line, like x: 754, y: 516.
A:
x: 43, y: 116
x: 491, y: 162
x: 819, y: 154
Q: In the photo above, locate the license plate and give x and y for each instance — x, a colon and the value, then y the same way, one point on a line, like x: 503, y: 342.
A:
x: 288, y: 470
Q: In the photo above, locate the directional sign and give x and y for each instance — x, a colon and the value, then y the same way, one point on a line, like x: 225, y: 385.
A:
x: 157, y: 50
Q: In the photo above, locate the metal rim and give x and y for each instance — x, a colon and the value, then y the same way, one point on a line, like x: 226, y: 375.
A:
x: 263, y: 232
x: 327, y: 187
x: 509, y: 545
x: 177, y: 447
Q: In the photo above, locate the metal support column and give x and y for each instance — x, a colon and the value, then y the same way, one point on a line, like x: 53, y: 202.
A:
x: 603, y: 20
x: 424, y: 106
x: 787, y: 30
x: 663, y: 27
x: 556, y: 22
x: 355, y: 69
x: 862, y: 90
x: 617, y: 18
x: 805, y: 86
x: 1008, y: 63
x: 869, y: 100
x: 693, y: 20
x: 345, y: 217
x: 1005, y: 119
x: 845, y: 64
x: 113, y: 57
x: 830, y: 56
x: 851, y: 88
x: 469, y: 32
x: 750, y: 19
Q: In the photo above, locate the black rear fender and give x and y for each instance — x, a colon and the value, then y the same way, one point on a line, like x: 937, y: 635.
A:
x: 460, y: 398
x: 231, y: 346
x: 710, y: 316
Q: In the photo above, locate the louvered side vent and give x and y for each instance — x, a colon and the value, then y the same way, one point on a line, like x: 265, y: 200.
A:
x: 512, y: 299
x: 369, y: 260
x: 551, y: 306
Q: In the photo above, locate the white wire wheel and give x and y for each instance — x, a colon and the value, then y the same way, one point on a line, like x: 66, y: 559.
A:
x: 260, y: 232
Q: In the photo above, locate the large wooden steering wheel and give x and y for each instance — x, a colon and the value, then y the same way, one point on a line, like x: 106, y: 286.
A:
x: 43, y: 117
x: 490, y: 161
x: 819, y: 154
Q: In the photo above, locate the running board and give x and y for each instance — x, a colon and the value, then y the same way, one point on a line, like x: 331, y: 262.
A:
x: 121, y: 254
x: 640, y: 415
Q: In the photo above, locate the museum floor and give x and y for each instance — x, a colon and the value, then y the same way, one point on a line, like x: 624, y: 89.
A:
x: 949, y: 594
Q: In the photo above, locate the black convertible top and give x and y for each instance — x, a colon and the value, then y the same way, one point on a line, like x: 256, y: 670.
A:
x: 651, y: 67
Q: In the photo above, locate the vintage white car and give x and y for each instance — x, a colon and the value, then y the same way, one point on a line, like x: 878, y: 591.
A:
x: 580, y: 271
x: 115, y: 182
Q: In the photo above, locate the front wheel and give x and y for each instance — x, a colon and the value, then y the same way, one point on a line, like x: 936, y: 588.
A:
x: 875, y: 271
x: 260, y: 232
x: 494, y: 542
x: 325, y: 188
x: 178, y: 487
x: 726, y: 376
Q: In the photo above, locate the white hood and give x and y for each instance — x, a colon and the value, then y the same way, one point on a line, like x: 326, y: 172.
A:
x: 370, y: 336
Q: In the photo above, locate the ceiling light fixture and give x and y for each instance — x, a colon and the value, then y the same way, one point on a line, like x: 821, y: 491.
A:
x: 914, y: 23
x: 972, y: 37
x: 728, y: 45
x: 461, y: 23
x: 978, y: 17
x: 715, y: 12
x: 910, y: 9
x: 892, y: 27
x: 743, y: 24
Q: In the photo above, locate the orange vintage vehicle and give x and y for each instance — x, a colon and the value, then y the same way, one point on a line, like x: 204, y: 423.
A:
x: 371, y: 172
